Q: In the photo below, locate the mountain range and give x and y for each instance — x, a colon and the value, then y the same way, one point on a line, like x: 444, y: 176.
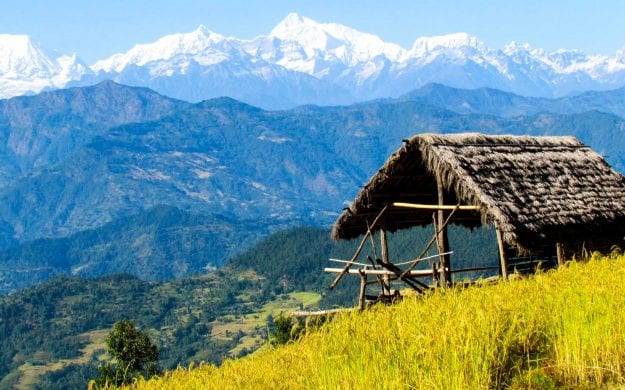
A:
x: 302, y: 61
x: 94, y: 163
x: 226, y: 157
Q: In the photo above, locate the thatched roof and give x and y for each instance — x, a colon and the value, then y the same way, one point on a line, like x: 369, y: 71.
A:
x: 539, y: 189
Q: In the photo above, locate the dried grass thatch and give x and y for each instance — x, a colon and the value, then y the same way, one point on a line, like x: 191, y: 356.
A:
x: 539, y: 189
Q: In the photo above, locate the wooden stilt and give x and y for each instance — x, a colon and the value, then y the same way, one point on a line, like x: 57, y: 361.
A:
x: 363, y: 288
x: 435, y: 276
x: 380, y: 279
x: 560, y: 253
x: 503, y: 259
x: 384, y: 244
x: 362, y: 244
x: 427, y: 246
x: 442, y: 239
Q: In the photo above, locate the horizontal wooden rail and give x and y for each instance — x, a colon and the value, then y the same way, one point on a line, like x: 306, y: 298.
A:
x: 433, y: 206
x: 377, y: 272
x: 349, y: 262
x: 425, y: 258
x: 453, y: 271
x: 302, y: 313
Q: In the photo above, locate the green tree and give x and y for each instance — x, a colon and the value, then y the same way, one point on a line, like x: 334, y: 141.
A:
x: 285, y: 329
x: 134, y: 352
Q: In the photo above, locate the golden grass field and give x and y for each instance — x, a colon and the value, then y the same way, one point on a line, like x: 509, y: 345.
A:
x: 559, y: 329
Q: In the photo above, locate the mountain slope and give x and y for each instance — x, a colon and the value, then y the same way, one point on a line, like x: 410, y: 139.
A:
x: 560, y: 329
x: 224, y: 313
x: 225, y: 157
x: 158, y: 244
x: 36, y: 131
x: 496, y: 102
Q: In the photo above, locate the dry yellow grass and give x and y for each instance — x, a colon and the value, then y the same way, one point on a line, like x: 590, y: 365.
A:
x: 563, y: 328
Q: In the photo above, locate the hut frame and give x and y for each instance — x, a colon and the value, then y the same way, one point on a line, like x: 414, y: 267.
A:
x: 550, y: 195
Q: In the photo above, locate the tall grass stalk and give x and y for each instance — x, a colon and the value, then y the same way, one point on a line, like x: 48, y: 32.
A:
x: 563, y: 328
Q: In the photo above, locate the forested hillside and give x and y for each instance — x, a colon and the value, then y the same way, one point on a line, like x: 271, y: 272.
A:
x: 161, y: 243
x: 210, y: 317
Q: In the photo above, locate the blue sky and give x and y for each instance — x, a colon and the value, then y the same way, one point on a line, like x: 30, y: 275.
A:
x: 97, y: 29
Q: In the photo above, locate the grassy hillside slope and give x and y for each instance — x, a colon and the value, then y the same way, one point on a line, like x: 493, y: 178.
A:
x: 563, y: 328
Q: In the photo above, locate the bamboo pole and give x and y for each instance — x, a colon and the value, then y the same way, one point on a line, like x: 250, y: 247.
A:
x: 409, y: 280
x: 560, y: 253
x: 503, y: 260
x: 377, y: 271
x: 386, y: 290
x: 363, y: 288
x: 442, y: 238
x: 427, y: 247
x: 434, y: 206
x: 378, y: 277
x: 421, y: 259
x: 304, y: 313
x: 362, y: 244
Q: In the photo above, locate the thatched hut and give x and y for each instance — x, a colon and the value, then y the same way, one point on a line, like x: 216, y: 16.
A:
x: 542, y: 193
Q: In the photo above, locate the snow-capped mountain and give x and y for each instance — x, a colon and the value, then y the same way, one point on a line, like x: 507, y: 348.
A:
x: 302, y: 61
x: 26, y: 68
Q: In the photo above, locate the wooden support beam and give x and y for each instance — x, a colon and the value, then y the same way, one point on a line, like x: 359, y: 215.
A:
x: 442, y: 238
x: 348, y: 262
x: 379, y: 278
x: 303, y: 313
x: 409, y: 280
x: 363, y: 288
x: 362, y: 244
x: 503, y: 258
x: 560, y: 253
x: 474, y: 269
x: 436, y: 279
x: 427, y: 247
x: 385, y: 260
x: 420, y: 259
x: 434, y: 206
x: 376, y: 272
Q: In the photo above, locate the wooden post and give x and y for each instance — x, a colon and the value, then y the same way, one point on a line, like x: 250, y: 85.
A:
x: 442, y: 239
x: 503, y: 260
x: 363, y: 287
x: 436, y: 279
x: 362, y: 244
x: 386, y: 287
x: 560, y: 253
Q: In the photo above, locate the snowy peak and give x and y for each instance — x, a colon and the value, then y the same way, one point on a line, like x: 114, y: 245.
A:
x: 200, y: 42
x: 26, y: 67
x: 21, y: 57
x: 333, y: 40
x: 303, y: 61
x: 292, y: 20
x: 460, y: 43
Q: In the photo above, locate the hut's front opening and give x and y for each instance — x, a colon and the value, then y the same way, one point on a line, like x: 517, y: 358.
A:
x: 545, y: 198
x: 440, y: 255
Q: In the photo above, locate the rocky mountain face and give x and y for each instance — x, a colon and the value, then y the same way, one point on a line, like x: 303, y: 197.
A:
x: 302, y: 61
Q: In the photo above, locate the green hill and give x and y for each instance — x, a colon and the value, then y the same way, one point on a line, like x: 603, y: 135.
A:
x: 161, y: 243
x: 561, y: 329
x: 51, y: 334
